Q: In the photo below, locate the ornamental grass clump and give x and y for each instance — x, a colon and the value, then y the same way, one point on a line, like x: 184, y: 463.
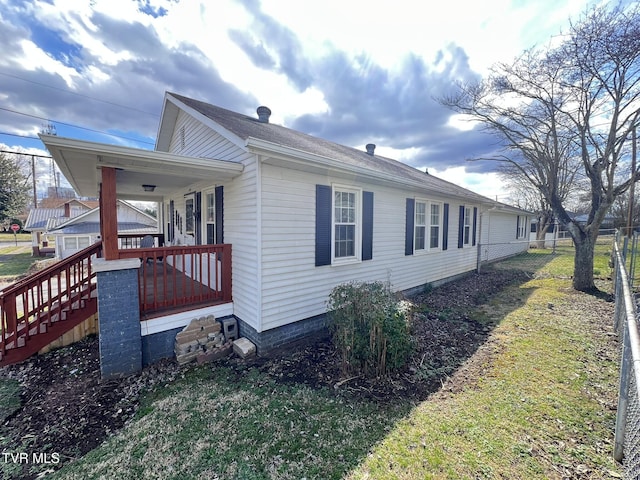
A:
x: 370, y: 328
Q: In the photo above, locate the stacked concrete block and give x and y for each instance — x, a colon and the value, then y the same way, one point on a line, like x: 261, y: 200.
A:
x: 201, y: 340
x: 243, y: 347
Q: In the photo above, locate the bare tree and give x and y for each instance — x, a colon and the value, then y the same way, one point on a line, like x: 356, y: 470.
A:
x: 573, y: 104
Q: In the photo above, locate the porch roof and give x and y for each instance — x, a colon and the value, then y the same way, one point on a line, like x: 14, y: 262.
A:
x: 80, y: 161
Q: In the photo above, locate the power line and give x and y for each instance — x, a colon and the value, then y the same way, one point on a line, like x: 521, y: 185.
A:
x: 19, y: 136
x: 25, y: 153
x: 74, y: 126
x: 78, y: 94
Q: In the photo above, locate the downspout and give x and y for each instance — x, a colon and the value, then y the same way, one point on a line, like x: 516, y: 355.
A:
x: 259, y: 240
x: 479, y: 253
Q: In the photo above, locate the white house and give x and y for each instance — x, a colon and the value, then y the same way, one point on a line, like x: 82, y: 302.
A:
x: 302, y: 214
x: 51, y: 213
x: 82, y: 230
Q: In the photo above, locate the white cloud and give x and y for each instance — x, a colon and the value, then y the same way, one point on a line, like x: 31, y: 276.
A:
x: 488, y: 184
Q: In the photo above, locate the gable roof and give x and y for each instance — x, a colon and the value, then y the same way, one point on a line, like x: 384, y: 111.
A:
x: 269, y: 136
x: 83, y: 224
x: 53, y: 202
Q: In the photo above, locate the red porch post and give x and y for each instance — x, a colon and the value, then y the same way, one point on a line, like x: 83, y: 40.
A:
x: 109, y: 214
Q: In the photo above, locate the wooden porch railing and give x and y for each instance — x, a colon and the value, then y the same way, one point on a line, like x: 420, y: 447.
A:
x: 37, y: 310
x: 180, y: 276
x: 132, y: 240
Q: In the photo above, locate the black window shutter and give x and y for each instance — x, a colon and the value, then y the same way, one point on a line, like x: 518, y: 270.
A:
x: 475, y: 223
x: 517, y: 225
x: 445, y: 226
x: 461, y: 227
x: 323, y: 225
x: 367, y: 225
x: 172, y: 222
x: 408, y: 234
x: 219, y: 199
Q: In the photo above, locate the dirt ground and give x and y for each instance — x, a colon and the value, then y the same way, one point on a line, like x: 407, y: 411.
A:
x: 64, y: 403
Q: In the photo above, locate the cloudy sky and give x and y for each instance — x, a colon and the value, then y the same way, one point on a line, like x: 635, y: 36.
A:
x: 351, y: 71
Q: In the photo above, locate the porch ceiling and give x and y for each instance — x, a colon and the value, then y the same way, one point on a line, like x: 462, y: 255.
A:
x: 80, y: 161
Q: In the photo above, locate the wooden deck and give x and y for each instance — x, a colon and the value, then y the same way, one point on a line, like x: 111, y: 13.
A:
x: 165, y: 289
x: 182, y: 277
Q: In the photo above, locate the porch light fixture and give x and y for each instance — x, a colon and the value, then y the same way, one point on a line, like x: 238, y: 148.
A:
x: 149, y: 188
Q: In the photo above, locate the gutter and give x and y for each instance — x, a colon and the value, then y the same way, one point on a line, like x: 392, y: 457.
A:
x: 304, y: 159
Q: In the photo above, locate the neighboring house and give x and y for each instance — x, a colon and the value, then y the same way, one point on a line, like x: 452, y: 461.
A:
x: 302, y: 215
x: 53, y: 211
x: 83, y: 230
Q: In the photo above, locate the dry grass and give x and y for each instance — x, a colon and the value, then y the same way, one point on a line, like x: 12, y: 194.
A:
x: 537, y: 401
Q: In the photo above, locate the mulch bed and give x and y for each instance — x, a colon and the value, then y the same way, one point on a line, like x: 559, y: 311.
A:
x: 66, y: 408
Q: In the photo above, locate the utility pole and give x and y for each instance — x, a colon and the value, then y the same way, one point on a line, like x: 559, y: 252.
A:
x: 633, y: 183
x: 33, y: 179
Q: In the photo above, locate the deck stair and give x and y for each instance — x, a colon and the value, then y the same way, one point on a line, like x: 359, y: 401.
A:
x: 40, y: 308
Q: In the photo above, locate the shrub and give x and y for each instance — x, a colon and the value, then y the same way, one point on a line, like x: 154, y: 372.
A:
x: 370, y: 328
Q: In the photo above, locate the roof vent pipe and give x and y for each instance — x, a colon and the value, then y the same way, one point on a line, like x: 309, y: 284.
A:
x: 370, y: 148
x: 263, y: 114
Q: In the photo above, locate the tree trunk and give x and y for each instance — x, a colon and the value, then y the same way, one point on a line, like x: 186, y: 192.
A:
x: 583, y: 263
x: 541, y: 235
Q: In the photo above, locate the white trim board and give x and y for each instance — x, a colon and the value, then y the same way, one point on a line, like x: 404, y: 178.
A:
x: 182, y: 319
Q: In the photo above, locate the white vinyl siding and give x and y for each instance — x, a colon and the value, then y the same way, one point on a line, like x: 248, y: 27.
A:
x: 497, y: 236
x: 201, y: 141
x: 293, y: 288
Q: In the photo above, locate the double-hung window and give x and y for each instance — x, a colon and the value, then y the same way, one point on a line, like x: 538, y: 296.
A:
x: 420, y: 226
x: 345, y: 223
x: 210, y: 218
x: 427, y: 226
x: 76, y: 243
x: 434, y: 226
x: 521, y: 226
x: 467, y: 225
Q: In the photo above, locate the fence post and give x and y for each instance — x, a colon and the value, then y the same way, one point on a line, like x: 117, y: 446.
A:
x: 623, y: 397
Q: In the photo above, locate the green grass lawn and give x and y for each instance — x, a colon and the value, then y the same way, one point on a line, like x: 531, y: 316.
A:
x: 540, y: 404
x: 14, y: 264
x: 20, y: 237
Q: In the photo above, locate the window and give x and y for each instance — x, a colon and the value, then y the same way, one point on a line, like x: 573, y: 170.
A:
x: 210, y: 217
x: 420, y: 226
x: 467, y: 225
x: 345, y: 223
x: 76, y: 243
x: 434, y: 226
x: 427, y: 225
x: 521, y: 226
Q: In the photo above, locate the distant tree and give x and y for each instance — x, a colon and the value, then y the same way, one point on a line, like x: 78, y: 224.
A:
x: 151, y: 212
x: 14, y: 189
x: 576, y: 101
x: 620, y: 212
x: 524, y: 195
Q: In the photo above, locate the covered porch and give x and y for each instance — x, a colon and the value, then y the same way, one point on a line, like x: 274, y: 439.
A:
x: 141, y: 282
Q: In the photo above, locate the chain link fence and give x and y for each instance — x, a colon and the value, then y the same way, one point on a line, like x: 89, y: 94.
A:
x: 627, y: 433
x: 532, y: 255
